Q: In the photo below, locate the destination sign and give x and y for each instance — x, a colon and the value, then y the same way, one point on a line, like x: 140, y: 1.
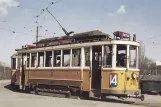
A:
x: 54, y: 43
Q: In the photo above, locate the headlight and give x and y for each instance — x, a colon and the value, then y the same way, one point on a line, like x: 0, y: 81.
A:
x: 133, y: 75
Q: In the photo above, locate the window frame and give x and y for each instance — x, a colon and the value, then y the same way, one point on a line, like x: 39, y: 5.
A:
x: 103, y: 56
x: 81, y: 65
x: 136, y: 57
x: 55, y: 58
x: 63, y: 58
x: 38, y: 62
x: 34, y: 61
x: 46, y: 57
x: 84, y: 57
x: 126, y: 58
x: 13, y: 63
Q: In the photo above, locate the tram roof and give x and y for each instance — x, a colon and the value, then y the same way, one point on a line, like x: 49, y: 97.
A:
x: 14, y: 55
x: 83, y: 35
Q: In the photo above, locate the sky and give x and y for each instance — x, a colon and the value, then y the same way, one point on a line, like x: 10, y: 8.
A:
x: 18, y: 21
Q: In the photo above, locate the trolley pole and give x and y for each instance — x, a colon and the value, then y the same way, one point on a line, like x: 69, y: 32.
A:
x: 37, y: 33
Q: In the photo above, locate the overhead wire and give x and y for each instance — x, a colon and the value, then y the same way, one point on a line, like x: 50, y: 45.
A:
x: 151, y: 37
x: 14, y: 32
x: 2, y: 22
x: 43, y: 1
x: 42, y: 11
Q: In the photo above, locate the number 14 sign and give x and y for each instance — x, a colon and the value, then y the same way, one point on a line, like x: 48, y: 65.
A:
x: 113, y: 79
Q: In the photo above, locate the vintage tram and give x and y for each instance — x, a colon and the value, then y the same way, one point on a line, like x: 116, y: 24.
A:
x: 88, y: 64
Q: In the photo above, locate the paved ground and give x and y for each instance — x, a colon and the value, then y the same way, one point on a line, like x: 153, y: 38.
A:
x: 9, y: 98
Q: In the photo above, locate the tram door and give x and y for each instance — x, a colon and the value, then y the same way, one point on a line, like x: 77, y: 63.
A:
x: 22, y: 71
x: 96, y: 67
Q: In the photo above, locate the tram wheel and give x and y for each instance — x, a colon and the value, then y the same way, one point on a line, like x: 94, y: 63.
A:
x: 103, y: 97
x: 85, y: 95
x: 35, y: 91
x: 68, y: 95
x: 159, y: 93
x: 142, y: 97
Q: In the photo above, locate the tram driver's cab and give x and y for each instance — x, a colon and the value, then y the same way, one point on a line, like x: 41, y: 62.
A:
x: 121, y: 66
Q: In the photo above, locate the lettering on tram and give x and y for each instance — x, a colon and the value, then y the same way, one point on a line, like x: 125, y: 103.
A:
x: 113, y: 79
x: 87, y: 64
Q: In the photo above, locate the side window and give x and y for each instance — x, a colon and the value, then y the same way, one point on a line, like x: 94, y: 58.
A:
x: 87, y: 56
x: 24, y: 59
x: 57, y: 58
x: 41, y: 59
x: 107, y: 59
x: 66, y: 58
x: 121, y: 60
x: 13, y: 63
x: 33, y: 59
x: 48, y: 62
x: 132, y: 55
x: 76, y: 57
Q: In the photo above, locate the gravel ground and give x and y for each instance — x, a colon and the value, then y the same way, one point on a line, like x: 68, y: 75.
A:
x: 9, y: 98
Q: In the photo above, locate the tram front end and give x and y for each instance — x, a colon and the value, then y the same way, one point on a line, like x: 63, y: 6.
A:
x: 121, y: 77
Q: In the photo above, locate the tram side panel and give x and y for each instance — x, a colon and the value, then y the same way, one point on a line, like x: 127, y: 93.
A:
x: 26, y: 78
x: 59, y: 77
x: 86, y: 80
x: 119, y: 82
x: 113, y: 84
x: 132, y: 84
x: 17, y: 77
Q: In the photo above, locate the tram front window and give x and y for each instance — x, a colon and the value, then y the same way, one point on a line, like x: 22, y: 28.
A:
x: 121, y: 56
x: 132, y: 54
x: 107, y: 63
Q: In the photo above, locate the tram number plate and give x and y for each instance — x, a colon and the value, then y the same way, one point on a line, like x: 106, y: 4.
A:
x: 113, y: 79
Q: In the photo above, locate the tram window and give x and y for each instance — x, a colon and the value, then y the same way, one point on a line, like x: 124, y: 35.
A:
x: 132, y: 55
x: 57, y: 58
x: 76, y: 57
x: 19, y: 61
x: 41, y: 59
x: 66, y: 58
x: 13, y: 63
x: 24, y: 59
x: 48, y: 62
x: 121, y: 56
x: 107, y: 62
x: 33, y: 59
x: 28, y: 59
x: 87, y: 56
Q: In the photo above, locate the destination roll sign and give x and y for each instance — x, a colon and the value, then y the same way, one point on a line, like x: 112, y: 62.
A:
x: 54, y: 42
